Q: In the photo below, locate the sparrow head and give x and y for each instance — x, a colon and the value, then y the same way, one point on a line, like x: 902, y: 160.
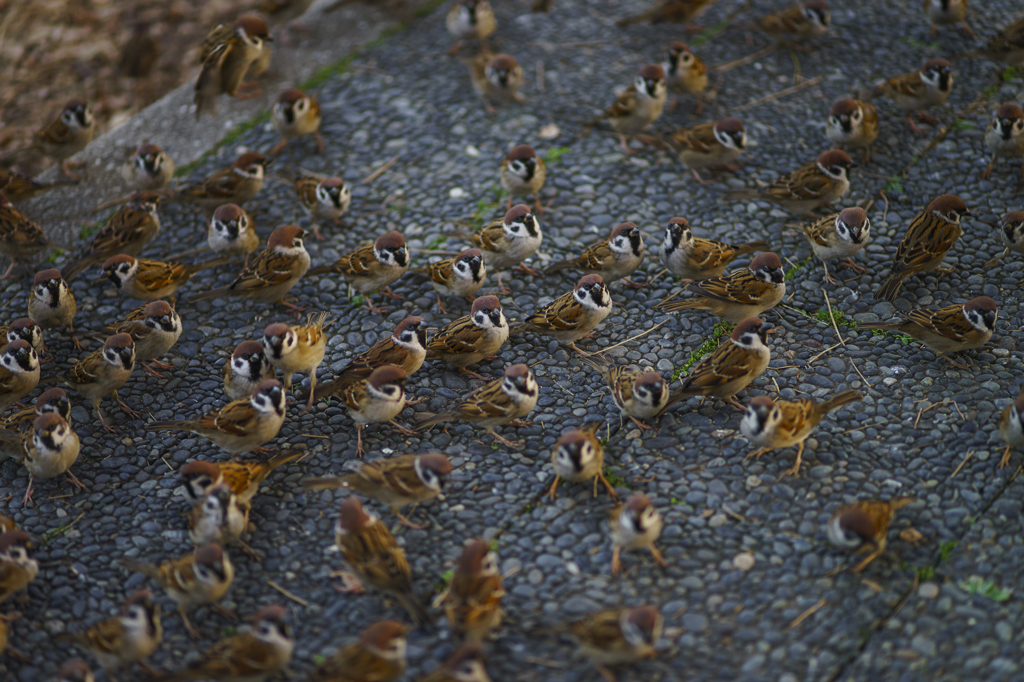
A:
x: 650, y: 82
x: 252, y: 30
x: 200, y: 476
x: 333, y: 192
x: 210, y: 562
x: 279, y: 340
x: 751, y: 333
x: 677, y: 58
x: 981, y: 313
x: 1009, y: 121
x: 1017, y: 412
x: 287, y: 240
x: 411, y: 332
x: 816, y: 12
x: 478, y: 559
x: 522, y: 162
x: 1012, y: 227
x: 766, y: 266
x: 500, y: 69
x: 248, y: 360
x: 649, y: 388
x: 119, y: 351
x: 77, y: 114
x: 851, y: 527
x: 75, y: 670
x: 161, y: 316
x: 846, y: 116
x: 852, y: 225
x: 638, y: 514
x: 937, y: 73
x: 14, y: 546
x: 270, y: 625
x: 353, y: 517
x: 431, y: 469
x: 466, y: 665
x: 19, y: 357
x: 251, y: 164
x: 50, y: 432
x: 574, y: 450
x: 54, y: 400
x: 120, y: 269
x: 677, y: 235
x: 626, y: 238
x: 641, y: 626
x: 217, y: 502
x: 486, y: 313
x: 591, y: 292
x: 26, y: 329
x: 835, y: 163
x: 291, y: 104
x: 49, y: 287
x: 520, y: 223
x: 144, y: 202
x: 139, y: 613
x: 387, y: 382
x: 518, y: 383
x: 150, y: 159
x: 762, y: 416
x: 268, y: 397
x: 731, y: 133
x: 949, y: 208
x: 229, y: 221
x: 386, y: 639
x: 390, y: 249
x: 468, y: 265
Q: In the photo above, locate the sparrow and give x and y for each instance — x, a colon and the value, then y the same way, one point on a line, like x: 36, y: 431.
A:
x: 917, y: 90
x: 708, y: 145
x: 693, y: 258
x: 799, y: 22
x: 297, y: 349
x: 121, y: 640
x: 1011, y: 232
x: 26, y: 329
x: 461, y: 275
x: 227, y: 54
x: 372, y: 267
x: 618, y: 636
x: 19, y: 372
x: 103, y: 372
x: 685, y: 73
x: 472, y: 602
x: 48, y: 451
x: 853, y: 123
x: 273, y: 273
x: 246, y: 369
x: 395, y: 481
x: 815, y: 184
x: 236, y: 184
x: 573, y: 315
x: 231, y: 232
x: 241, y: 477
x: 242, y: 425
x: 639, y: 105
x: 840, y: 235
x: 375, y: 557
x: 67, y: 135
x: 50, y: 302
x: 296, y: 114
x: 21, y: 239
x: 1006, y: 46
x: 636, y: 525
x: 864, y: 526
x: 19, y: 187
x: 523, y: 173
x: 251, y: 656
x: 154, y: 328
x: 322, y: 198
x: 613, y: 258
x: 378, y: 398
x: 673, y: 11
x: 950, y: 329
x: 1011, y: 428
x: 470, y: 339
x: 731, y: 367
x: 151, y: 280
x: 1005, y: 137
x: 377, y: 656
x: 640, y: 394
x: 777, y: 424
x: 54, y: 400
x: 739, y: 295
x: 578, y: 456
x: 220, y: 518
x: 497, y: 78
x: 75, y: 670
x: 149, y: 168
x: 508, y: 241
x: 202, y: 577
x: 947, y: 12
x: 406, y: 348
x: 497, y: 403
x: 470, y: 20
x: 930, y: 236
x: 464, y: 665
x: 127, y: 231
x: 17, y: 567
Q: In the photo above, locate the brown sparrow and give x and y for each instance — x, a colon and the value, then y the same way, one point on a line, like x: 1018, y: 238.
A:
x: 853, y: 123
x: 1011, y: 232
x: 673, y: 11
x: 151, y: 280
x: 685, y: 73
x: 127, y: 231
x: 406, y: 348
x: 947, y: 12
x: 470, y: 339
x: 49, y: 450
x: 461, y: 275
x: 103, y: 372
x: 273, y: 273
x: 395, y: 481
x: 636, y: 525
x: 523, y: 173
x: 372, y: 267
x: 466, y: 664
x: 54, y: 400
x: 378, y: 656
x: 693, y: 258
x: 67, y: 135
x: 802, y: 21
x: 709, y: 145
x: 1007, y: 45
x: 202, y: 577
x: 17, y: 567
x: 578, y: 456
x: 236, y: 184
x: 21, y: 239
x: 470, y: 20
x: 1005, y: 137
x: 499, y: 402
x: 731, y: 367
x: 1011, y: 428
x: 227, y: 54
x: 639, y: 105
x: 253, y: 656
x: 815, y: 184
x: 739, y: 295
x: 246, y: 369
x: 496, y: 77
x: 638, y: 393
x: 242, y: 477
x: 777, y: 424
x: 378, y: 398
x: 950, y: 329
x: 918, y: 90
x: 472, y: 601
x: 50, y: 302
x: 507, y: 241
x: 19, y: 372
x: 864, y: 526
x: 571, y: 316
x: 840, y: 235
x: 220, y: 518
x: 618, y: 636
x: 296, y: 114
x: 322, y: 198
x: 19, y: 187
x: 297, y: 349
x: 231, y: 232
x: 375, y: 557
x: 26, y: 329
x: 119, y: 641
x: 149, y: 168
x: 154, y: 328
x: 930, y: 236
x: 613, y: 258
x: 240, y: 426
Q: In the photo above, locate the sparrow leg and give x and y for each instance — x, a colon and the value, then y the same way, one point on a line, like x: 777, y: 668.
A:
x: 405, y: 431
x: 504, y: 441
x: 440, y: 306
x: 927, y: 118
x: 374, y: 309
x: 538, y: 208
x: 151, y: 372
x: 472, y: 374
x: 297, y: 309
x: 945, y: 271
x: 520, y: 422
x: 350, y: 583
x: 312, y: 390
x: 828, y: 278
x: 321, y: 146
x: 278, y: 147
x: 392, y: 295
x: 698, y: 178
x: 616, y: 564
x: 607, y: 486
x: 585, y: 353
x: 623, y: 146
x: 17, y: 654
x: 640, y: 424
x: 192, y: 632
x: 934, y: 30
x: 605, y: 672
x: 248, y: 95
x: 74, y: 480
x: 988, y: 169
x: 27, y: 500
x: 848, y: 263
x: 1006, y: 458
x: 756, y: 454
x: 626, y: 281
x: 249, y: 550
x: 125, y: 408
x: 103, y: 421
x: 227, y: 613
x: 359, y: 440
x: 967, y: 28
x: 795, y: 471
x: 867, y: 560
x: 995, y: 260
x: 737, y: 405
x: 489, y: 107
x: 699, y: 109
x: 415, y: 402
x: 508, y: 206
x: 150, y: 670
x: 913, y: 126
x: 7, y: 275
x: 528, y: 270
x: 954, y: 362
x: 316, y: 231
x: 65, y: 165
x: 454, y: 49
x: 867, y: 155
x: 502, y: 289
x: 409, y: 524
x: 656, y: 555
x: 553, y: 490
x: 161, y: 365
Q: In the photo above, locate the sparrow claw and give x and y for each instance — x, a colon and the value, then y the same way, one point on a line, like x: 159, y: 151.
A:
x: 528, y: 270
x: 350, y: 584
x: 152, y: 372
x: 405, y: 431
x: 640, y: 425
x: 1006, y: 458
x: 626, y: 281
x: 392, y: 295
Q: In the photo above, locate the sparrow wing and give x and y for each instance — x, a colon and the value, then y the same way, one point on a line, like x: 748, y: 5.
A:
x: 461, y: 336
x: 270, y: 269
x: 740, y: 287
x: 700, y: 138
x: 487, y: 402
x: 820, y: 231
x: 728, y: 362
x: 359, y: 263
x: 596, y: 256
x: 491, y: 237
x: 927, y: 238
x: 708, y: 254
x: 562, y: 314
x: 624, y: 104
x: 949, y: 322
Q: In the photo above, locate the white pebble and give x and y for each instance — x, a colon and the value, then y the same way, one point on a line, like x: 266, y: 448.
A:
x: 456, y: 193
x: 743, y: 561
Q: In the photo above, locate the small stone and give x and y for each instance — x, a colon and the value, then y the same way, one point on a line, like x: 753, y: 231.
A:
x: 928, y: 591
x: 753, y: 481
x: 743, y: 561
